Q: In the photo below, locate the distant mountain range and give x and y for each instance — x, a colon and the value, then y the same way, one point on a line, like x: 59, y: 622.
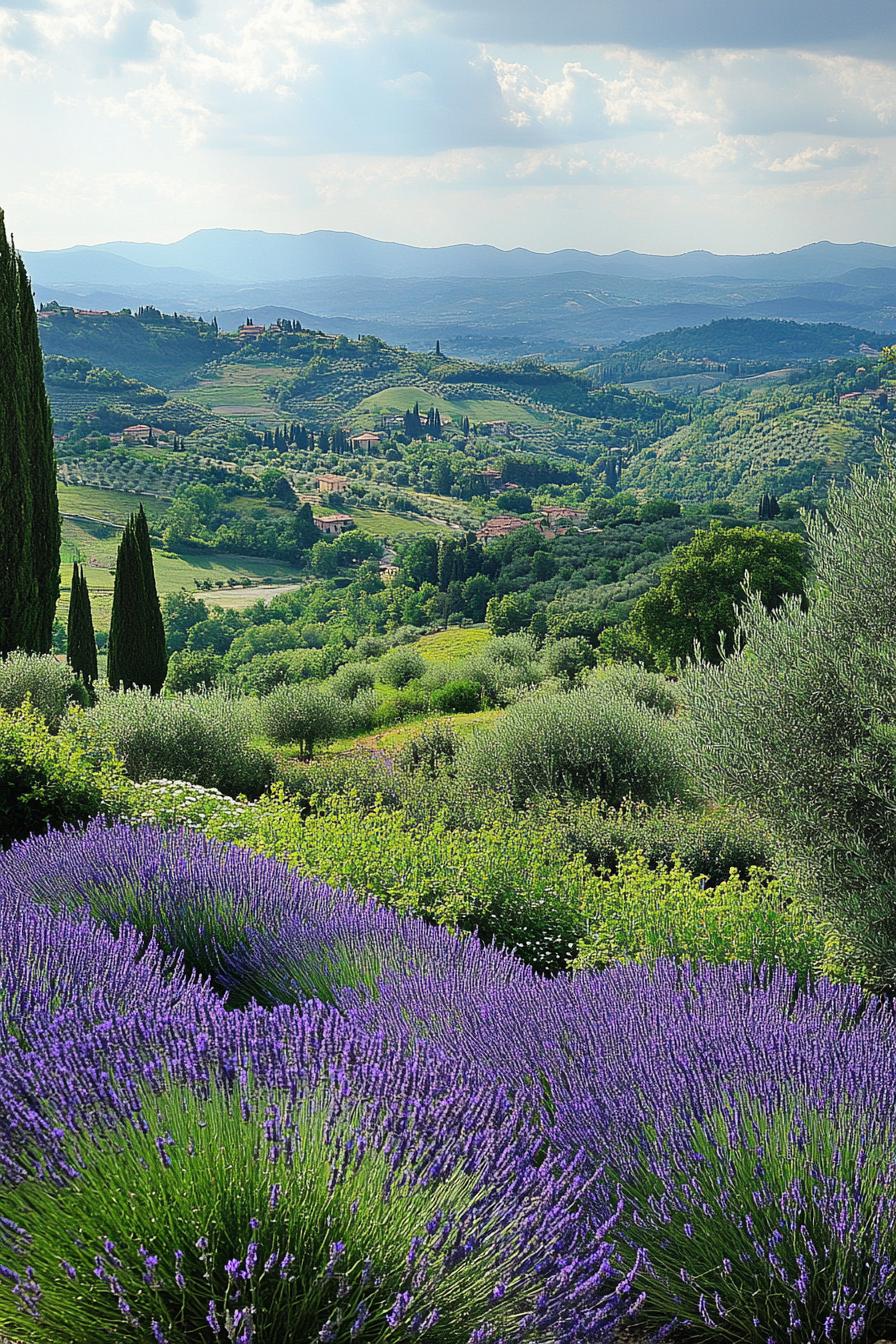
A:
x: 479, y: 299
x: 240, y: 256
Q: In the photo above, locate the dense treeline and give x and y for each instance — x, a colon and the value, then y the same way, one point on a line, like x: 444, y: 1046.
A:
x: 150, y: 346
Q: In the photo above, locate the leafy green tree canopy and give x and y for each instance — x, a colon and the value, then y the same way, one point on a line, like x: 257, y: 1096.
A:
x: 702, y: 585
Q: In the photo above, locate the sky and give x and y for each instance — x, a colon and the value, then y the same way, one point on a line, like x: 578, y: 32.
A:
x: 657, y: 125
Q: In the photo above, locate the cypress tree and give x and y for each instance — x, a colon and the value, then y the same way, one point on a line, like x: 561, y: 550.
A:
x: 81, y: 639
x: 137, y: 654
x: 123, y: 653
x: 46, y: 532
x: 29, y: 514
x: 18, y: 590
x: 156, y: 652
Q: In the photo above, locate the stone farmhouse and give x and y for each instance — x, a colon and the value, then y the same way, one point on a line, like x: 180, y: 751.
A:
x: 330, y: 484
x: 334, y: 524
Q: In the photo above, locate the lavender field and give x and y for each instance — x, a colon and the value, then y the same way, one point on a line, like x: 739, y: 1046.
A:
x: 238, y: 1105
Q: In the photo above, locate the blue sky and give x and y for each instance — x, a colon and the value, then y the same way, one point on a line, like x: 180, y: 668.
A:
x: 659, y: 125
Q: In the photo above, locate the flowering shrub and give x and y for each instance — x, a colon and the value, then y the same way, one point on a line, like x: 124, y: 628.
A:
x: 748, y: 1126
x: 252, y: 924
x: 176, y: 803
x: 390, y: 1220
x: 61, y: 969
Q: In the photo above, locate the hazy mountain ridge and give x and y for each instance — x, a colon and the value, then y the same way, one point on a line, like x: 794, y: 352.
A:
x: 254, y: 256
x: 492, y: 303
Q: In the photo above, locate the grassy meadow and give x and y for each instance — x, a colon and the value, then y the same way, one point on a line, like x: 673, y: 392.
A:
x: 391, y: 740
x: 239, y: 390
x: 396, y: 400
x: 80, y: 502
x: 389, y: 526
x: 457, y: 642
x: 94, y: 545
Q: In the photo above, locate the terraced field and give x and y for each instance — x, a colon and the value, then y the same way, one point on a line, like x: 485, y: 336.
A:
x: 239, y: 390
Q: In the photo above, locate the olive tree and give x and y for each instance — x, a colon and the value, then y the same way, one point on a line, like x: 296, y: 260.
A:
x: 799, y: 721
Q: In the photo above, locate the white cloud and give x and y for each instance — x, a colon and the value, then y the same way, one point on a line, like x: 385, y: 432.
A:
x: 528, y: 97
x: 821, y: 158
x: 421, y: 115
x: 160, y: 104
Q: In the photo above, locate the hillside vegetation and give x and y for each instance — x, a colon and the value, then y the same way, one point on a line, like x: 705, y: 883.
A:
x: 244, y: 430
x: 751, y: 344
x: 766, y: 443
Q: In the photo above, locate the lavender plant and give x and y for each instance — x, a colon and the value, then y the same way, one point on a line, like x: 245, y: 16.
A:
x: 66, y: 970
x: 770, y: 1219
x: 251, y: 924
x: 768, y: 1222
x: 192, y: 895
x: 335, y: 1189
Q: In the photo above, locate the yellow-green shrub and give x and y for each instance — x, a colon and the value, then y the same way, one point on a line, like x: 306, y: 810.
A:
x: 639, y: 913
x: 46, y: 779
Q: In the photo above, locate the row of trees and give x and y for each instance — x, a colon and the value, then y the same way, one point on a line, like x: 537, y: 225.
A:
x: 137, y: 651
x: 30, y: 533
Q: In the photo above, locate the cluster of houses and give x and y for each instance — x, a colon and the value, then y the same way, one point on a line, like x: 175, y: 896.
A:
x: 553, y: 522
x: 44, y: 314
x: 332, y: 524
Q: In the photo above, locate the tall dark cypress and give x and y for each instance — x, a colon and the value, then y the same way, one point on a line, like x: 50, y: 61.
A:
x: 45, y: 531
x: 81, y: 638
x: 137, y: 655
x: 155, y: 649
x: 19, y: 590
x: 122, y: 653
